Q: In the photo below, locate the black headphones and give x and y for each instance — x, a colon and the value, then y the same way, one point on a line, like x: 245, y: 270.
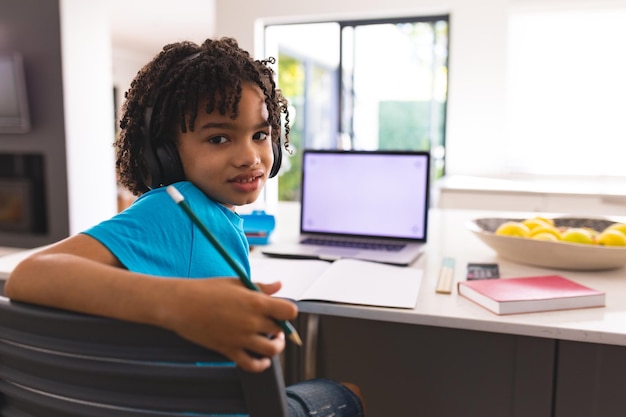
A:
x: 161, y: 156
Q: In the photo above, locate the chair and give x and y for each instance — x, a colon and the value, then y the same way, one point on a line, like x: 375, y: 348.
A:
x: 56, y: 363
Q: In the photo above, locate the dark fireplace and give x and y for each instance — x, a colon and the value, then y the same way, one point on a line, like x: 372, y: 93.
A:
x: 22, y: 194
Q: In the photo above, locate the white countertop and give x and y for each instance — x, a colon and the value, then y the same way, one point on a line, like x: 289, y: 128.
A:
x: 449, y: 237
x: 602, y: 187
x: 4, y: 250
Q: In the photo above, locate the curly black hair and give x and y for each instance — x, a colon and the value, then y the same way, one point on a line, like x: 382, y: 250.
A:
x: 174, y: 82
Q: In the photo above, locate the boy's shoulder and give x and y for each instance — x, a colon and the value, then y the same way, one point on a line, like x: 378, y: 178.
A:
x: 160, y: 195
x: 159, y: 200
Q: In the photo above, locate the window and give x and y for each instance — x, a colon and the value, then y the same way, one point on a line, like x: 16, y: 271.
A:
x: 367, y: 84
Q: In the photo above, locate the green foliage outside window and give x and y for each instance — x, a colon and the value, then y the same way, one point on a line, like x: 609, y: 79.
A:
x: 291, y: 79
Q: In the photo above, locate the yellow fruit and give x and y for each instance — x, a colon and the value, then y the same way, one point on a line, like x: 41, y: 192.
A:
x: 546, y: 220
x: 611, y: 237
x: 515, y: 229
x: 546, y: 230
x: 618, y: 226
x: 545, y: 236
x: 535, y: 222
x: 577, y: 235
x: 594, y: 233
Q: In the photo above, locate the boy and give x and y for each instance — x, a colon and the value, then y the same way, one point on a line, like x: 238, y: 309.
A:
x: 208, y: 119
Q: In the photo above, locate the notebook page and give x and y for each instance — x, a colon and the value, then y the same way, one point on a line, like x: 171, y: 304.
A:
x: 369, y: 283
x: 295, y: 275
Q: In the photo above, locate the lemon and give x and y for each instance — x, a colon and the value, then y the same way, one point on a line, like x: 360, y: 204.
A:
x: 535, y: 222
x: 618, y: 226
x: 611, y: 237
x: 512, y: 228
x: 546, y: 220
x: 577, y: 235
x: 546, y: 230
x: 545, y: 236
x: 594, y: 233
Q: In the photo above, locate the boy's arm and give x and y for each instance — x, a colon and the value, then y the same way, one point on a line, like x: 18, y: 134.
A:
x: 80, y: 274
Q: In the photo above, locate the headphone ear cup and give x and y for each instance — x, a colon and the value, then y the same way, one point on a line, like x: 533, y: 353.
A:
x: 171, y: 168
x: 278, y: 159
x: 151, y: 170
x: 151, y: 175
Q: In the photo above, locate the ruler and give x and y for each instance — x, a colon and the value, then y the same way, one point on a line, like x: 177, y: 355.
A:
x: 446, y: 276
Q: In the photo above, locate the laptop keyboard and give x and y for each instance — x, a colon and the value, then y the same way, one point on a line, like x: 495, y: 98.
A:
x: 392, y: 247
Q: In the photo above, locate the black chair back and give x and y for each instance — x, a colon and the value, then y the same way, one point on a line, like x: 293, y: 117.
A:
x: 56, y: 363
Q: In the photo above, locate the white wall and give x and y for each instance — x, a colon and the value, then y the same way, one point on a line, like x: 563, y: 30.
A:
x: 88, y: 100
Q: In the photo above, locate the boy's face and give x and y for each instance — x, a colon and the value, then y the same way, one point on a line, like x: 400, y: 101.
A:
x: 230, y: 159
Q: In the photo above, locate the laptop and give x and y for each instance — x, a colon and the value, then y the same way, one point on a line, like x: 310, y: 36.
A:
x: 368, y: 205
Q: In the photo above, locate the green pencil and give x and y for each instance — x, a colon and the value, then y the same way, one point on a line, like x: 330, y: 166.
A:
x: 178, y: 198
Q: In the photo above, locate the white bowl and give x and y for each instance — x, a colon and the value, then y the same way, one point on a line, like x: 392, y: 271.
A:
x: 549, y: 254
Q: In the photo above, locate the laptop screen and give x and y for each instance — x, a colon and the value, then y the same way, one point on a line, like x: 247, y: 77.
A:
x: 365, y: 193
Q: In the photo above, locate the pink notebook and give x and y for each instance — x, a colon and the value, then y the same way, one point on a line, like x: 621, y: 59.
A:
x: 530, y: 294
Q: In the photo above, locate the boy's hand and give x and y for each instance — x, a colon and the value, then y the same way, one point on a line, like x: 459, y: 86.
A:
x: 223, y: 315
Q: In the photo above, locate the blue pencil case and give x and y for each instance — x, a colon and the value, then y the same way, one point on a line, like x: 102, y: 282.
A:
x: 258, y: 226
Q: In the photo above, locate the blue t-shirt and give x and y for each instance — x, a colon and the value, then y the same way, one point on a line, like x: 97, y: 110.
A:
x: 154, y: 236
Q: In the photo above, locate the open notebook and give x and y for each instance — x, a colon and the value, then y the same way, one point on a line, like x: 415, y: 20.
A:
x: 346, y: 281
x: 369, y: 205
